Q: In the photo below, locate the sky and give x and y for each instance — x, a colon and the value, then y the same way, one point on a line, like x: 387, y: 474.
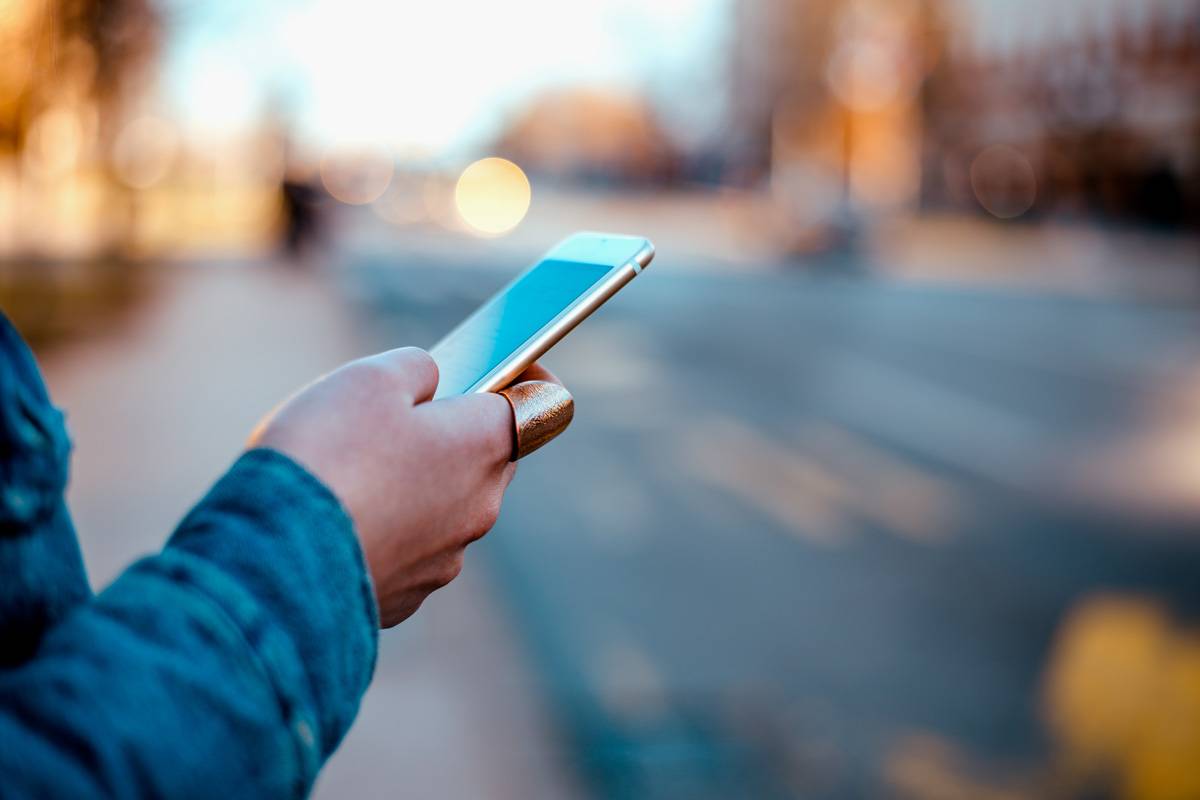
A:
x: 439, y: 79
x: 431, y: 78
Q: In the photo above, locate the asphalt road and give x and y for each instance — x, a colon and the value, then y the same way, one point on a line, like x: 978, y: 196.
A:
x: 817, y: 534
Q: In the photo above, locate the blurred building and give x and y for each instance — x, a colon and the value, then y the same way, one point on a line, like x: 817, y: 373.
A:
x: 824, y: 107
x: 1076, y: 109
x: 848, y: 109
x: 595, y: 137
x: 777, y: 56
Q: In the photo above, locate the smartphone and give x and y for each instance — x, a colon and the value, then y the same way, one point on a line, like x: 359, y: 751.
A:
x: 506, y: 334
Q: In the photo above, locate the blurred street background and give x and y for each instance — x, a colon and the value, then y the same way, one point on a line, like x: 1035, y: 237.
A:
x: 884, y: 478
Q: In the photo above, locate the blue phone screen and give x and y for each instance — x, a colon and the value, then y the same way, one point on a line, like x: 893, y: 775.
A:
x: 509, y: 319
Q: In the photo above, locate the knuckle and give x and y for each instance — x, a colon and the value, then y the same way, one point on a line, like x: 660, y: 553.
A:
x: 418, y: 358
x: 420, y: 363
x: 497, y: 435
x: 452, y: 570
x: 486, y: 519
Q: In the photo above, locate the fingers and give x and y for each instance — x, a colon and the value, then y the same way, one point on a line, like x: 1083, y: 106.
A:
x: 481, y: 424
x: 509, y: 425
x: 412, y: 371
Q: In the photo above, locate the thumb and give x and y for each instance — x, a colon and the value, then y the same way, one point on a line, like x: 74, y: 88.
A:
x: 411, y: 370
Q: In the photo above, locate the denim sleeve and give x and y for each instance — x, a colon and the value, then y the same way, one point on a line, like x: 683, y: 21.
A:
x: 231, y: 664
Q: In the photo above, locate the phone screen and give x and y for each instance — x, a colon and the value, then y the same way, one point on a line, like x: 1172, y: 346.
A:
x: 508, y: 320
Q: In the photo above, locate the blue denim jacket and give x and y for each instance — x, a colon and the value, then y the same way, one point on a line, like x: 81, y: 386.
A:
x: 228, y: 665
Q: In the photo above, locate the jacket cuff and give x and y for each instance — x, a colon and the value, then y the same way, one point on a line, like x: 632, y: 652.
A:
x: 281, y: 534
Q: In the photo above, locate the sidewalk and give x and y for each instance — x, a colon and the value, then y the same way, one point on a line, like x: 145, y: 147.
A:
x: 161, y: 404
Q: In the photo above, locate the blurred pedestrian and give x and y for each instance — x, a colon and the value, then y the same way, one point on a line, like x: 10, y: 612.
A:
x: 300, y: 208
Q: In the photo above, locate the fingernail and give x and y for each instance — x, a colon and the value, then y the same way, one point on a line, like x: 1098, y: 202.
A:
x: 541, y: 411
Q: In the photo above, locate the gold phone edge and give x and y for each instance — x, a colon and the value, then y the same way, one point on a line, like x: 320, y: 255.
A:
x: 536, y: 347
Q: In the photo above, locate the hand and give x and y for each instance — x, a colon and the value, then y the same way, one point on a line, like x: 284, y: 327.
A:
x: 421, y: 480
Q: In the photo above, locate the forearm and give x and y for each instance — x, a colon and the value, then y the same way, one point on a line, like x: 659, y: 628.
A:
x: 233, y: 662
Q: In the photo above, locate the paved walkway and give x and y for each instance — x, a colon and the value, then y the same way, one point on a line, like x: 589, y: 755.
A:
x: 160, y: 404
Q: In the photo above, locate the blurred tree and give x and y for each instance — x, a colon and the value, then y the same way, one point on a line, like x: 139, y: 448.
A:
x: 69, y: 70
x: 73, y: 52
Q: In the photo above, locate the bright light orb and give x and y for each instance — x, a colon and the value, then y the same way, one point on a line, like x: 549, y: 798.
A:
x: 492, y: 196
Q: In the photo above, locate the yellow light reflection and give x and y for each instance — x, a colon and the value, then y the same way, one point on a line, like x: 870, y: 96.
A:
x: 492, y: 196
x: 1123, y: 699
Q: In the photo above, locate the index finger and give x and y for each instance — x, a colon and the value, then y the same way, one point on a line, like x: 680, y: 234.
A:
x: 410, y: 369
x: 481, y: 423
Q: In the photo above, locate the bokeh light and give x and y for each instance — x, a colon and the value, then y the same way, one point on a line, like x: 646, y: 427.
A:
x: 144, y: 151
x: 437, y: 198
x: 492, y: 196
x: 1004, y: 181
x: 402, y: 203
x: 56, y: 141
x: 864, y: 75
x: 871, y: 66
x: 359, y: 178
